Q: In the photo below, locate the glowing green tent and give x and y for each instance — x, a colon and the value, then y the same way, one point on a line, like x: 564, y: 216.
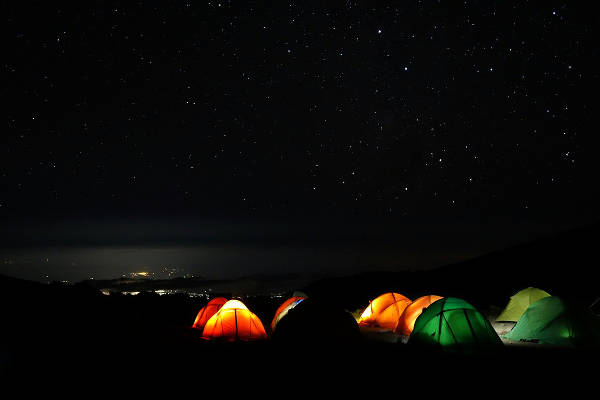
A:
x: 453, y: 324
x: 519, y: 302
x: 552, y: 321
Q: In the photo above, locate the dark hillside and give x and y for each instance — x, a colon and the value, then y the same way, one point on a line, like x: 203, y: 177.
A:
x: 564, y: 264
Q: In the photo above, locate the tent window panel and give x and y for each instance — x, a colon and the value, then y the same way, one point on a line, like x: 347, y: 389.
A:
x: 244, y: 324
x: 459, y: 326
x: 447, y: 334
x: 228, y: 323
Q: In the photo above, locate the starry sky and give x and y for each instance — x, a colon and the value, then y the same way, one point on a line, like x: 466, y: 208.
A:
x: 370, y: 111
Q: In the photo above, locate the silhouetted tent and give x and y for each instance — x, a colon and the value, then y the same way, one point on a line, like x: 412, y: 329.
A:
x: 208, y: 311
x: 553, y: 321
x: 519, y: 302
x: 407, y: 320
x: 384, y: 311
x: 234, y: 322
x: 316, y: 322
x: 455, y: 325
x: 284, y: 308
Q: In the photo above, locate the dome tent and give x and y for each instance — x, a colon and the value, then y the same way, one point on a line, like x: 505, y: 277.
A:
x: 454, y: 325
x: 234, y: 322
x: 317, y: 322
x: 284, y: 308
x: 519, y: 302
x: 208, y: 311
x: 411, y: 313
x: 384, y: 311
x: 553, y: 321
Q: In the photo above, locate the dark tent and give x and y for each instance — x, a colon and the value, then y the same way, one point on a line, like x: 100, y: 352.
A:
x: 317, y: 322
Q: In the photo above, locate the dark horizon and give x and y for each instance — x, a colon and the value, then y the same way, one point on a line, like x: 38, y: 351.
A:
x: 430, y: 129
x: 247, y: 250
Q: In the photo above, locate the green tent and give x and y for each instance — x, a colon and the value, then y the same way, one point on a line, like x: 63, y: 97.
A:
x: 519, y: 302
x: 453, y: 324
x: 552, y: 321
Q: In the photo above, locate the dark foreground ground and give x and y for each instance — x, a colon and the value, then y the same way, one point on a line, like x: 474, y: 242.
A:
x: 277, y: 370
x: 71, y: 335
x: 179, y: 354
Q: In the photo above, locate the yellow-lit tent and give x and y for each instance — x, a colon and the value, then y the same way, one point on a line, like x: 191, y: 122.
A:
x: 519, y: 302
x: 384, y: 311
x: 234, y: 322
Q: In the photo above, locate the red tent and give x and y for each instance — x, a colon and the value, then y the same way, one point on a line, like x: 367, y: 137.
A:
x: 208, y: 311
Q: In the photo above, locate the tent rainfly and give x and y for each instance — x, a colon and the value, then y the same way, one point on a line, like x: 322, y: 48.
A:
x: 384, y: 311
x: 519, y: 302
x: 208, y: 311
x: 407, y: 320
x: 455, y: 325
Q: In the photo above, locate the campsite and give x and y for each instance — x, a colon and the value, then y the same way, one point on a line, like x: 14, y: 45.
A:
x: 75, y: 330
x: 325, y: 200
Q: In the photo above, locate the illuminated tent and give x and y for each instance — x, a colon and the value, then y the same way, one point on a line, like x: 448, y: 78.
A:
x: 407, y: 320
x: 234, y: 322
x: 384, y: 311
x: 284, y: 309
x: 519, y: 302
x: 314, y: 322
x: 553, y: 321
x: 208, y: 311
x: 454, y: 325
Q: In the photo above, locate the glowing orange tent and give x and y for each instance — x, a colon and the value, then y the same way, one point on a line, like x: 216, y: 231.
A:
x: 234, y: 322
x: 384, y: 312
x: 407, y: 320
x: 284, y: 308
x: 208, y: 311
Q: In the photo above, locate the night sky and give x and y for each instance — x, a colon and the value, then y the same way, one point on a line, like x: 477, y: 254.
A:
x: 422, y: 111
